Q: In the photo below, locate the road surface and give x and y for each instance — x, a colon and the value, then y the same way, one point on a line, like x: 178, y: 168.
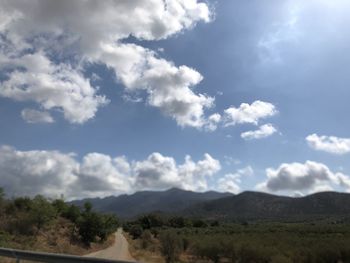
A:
x: 118, y: 251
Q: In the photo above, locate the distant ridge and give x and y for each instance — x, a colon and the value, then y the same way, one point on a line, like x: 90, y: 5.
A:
x: 168, y: 201
x: 256, y: 205
x: 225, y: 206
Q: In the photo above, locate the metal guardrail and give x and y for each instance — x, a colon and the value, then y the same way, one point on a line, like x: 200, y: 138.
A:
x: 52, y: 258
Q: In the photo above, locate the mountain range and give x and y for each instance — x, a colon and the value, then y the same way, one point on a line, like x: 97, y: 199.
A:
x: 225, y: 206
x: 169, y: 201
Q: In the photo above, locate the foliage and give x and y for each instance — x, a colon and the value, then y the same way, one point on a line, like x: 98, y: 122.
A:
x: 24, y: 216
x: 41, y: 211
x: 171, y: 246
x: 92, y: 225
x: 146, y: 238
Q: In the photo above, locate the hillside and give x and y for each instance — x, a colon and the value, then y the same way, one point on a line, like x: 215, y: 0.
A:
x: 255, y: 205
x: 41, y: 224
x: 168, y: 201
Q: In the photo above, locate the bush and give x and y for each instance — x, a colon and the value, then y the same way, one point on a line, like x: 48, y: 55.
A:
x: 171, y: 246
x: 146, y: 239
x: 135, y: 231
x: 208, y: 249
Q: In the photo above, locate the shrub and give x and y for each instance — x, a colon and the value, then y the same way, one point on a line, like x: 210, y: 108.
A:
x: 170, y: 246
x: 135, y: 231
x: 146, y: 239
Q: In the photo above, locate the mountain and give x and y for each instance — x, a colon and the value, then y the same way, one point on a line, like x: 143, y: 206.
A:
x: 255, y: 205
x: 168, y: 201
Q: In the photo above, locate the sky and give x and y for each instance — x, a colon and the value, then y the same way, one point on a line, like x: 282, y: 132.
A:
x: 102, y: 98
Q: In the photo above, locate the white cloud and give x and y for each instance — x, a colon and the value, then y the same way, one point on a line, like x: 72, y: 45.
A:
x: 101, y: 175
x: 213, y: 122
x: 36, y: 172
x: 53, y: 173
x: 33, y: 77
x: 303, y: 178
x: 168, y: 87
x: 93, y: 32
x: 246, y: 113
x: 35, y: 116
x: 264, y: 131
x: 231, y: 182
x: 162, y: 172
x: 330, y: 144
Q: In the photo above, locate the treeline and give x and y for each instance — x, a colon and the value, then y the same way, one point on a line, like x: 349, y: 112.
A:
x: 156, y: 222
x: 25, y: 216
x: 178, y: 240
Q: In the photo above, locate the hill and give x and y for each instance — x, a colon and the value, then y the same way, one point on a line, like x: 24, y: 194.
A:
x: 169, y: 201
x: 257, y: 206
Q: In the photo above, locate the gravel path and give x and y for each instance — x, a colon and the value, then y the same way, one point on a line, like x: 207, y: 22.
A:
x: 118, y: 251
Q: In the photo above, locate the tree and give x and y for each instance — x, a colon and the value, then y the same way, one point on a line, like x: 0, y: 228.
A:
x: 2, y: 194
x: 41, y: 211
x: 72, y: 213
x: 89, y: 225
x: 150, y: 221
x: 178, y: 222
x: 109, y: 224
x: 2, y: 199
x: 60, y: 206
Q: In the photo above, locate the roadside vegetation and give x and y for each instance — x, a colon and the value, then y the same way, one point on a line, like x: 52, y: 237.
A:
x: 177, y: 239
x: 53, y: 225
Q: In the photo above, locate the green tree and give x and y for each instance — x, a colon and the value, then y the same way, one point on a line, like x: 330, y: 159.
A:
x: 150, y: 221
x: 109, y: 224
x: 60, y: 206
x: 89, y: 225
x: 72, y: 213
x: 41, y: 211
x: 2, y: 200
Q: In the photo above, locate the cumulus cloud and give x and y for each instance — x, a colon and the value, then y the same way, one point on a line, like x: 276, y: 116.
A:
x: 168, y: 87
x: 213, y: 122
x: 33, y: 77
x: 330, y: 144
x: 249, y: 113
x: 36, y: 172
x: 231, y: 182
x: 303, y: 178
x: 96, y: 32
x: 53, y: 173
x: 35, y: 116
x: 162, y: 172
x: 264, y: 131
x: 100, y: 175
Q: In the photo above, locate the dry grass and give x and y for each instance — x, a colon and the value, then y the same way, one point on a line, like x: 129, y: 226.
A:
x: 149, y: 255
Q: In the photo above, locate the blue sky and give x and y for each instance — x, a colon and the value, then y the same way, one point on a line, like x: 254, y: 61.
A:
x: 253, y: 93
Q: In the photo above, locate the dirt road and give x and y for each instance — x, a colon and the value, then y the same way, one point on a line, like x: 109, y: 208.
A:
x: 118, y: 251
